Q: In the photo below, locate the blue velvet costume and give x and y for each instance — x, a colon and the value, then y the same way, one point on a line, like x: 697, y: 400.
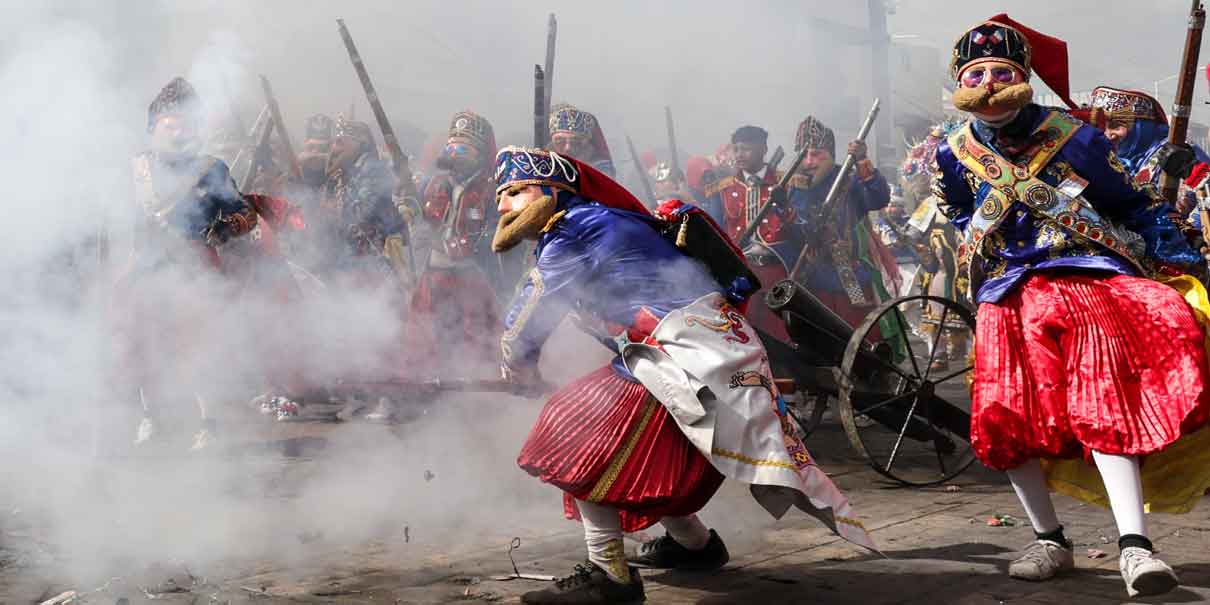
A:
x: 1027, y: 241
x: 864, y: 196
x: 606, y: 265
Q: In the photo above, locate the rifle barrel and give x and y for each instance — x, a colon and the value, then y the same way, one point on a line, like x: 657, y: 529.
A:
x: 282, y: 133
x: 638, y: 166
x: 402, y: 170
x: 782, y: 183
x: 541, y: 112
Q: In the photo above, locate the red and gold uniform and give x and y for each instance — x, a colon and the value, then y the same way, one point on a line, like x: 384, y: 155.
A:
x: 454, y: 301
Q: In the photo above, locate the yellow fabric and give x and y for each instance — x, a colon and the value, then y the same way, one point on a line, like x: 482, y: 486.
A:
x: 1175, y: 478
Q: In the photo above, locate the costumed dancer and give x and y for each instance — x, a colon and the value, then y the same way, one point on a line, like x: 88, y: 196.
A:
x: 1136, y: 126
x: 640, y: 440
x: 168, y: 292
x: 576, y: 133
x: 939, y: 275
x: 1080, y: 353
x: 735, y: 199
x: 454, y: 303
x: 852, y: 270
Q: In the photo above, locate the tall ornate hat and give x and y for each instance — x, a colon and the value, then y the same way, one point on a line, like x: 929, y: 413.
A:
x: 178, y: 96
x: 750, y: 134
x: 530, y: 166
x: 568, y: 118
x: 474, y: 128
x: 318, y: 126
x: 565, y: 117
x: 345, y: 127
x: 1003, y: 39
x: 1127, y: 105
x: 812, y: 134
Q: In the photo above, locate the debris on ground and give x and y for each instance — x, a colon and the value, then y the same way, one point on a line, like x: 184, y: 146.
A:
x: 953, y: 489
x: 1096, y: 553
x: 61, y: 599
x: 1001, y: 521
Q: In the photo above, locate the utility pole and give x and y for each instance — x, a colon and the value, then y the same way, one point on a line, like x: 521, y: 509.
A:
x: 880, y: 41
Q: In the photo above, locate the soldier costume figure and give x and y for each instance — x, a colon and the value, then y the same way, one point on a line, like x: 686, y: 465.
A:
x: 576, y: 133
x: 735, y: 199
x: 168, y: 291
x: 1081, y: 350
x: 688, y: 401
x: 454, y: 305
x: 848, y: 262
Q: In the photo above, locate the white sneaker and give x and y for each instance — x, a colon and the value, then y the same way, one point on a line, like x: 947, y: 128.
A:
x: 1042, y: 560
x: 1144, y: 574
x: 145, y: 432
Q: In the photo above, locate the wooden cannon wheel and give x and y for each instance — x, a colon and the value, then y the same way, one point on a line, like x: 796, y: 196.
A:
x: 904, y: 396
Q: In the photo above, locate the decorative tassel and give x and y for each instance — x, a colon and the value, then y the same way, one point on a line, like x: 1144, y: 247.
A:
x: 682, y: 236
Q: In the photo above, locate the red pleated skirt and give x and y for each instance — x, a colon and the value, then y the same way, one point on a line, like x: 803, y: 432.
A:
x: 606, y: 440
x: 1067, y: 364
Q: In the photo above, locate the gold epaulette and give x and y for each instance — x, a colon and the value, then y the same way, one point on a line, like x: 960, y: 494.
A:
x: 720, y: 185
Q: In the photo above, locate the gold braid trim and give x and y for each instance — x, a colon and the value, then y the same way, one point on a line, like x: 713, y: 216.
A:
x: 850, y: 521
x: 523, y: 317
x: 753, y: 461
x: 619, y: 460
x: 720, y: 185
x: 550, y: 224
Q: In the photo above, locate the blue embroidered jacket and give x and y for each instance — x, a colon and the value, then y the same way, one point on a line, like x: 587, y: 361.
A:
x: 609, y: 267
x: 1027, y: 241
x: 864, y: 196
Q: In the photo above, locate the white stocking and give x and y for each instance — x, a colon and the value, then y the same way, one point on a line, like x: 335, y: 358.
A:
x: 687, y: 531
x: 1120, y: 474
x: 603, y: 536
x: 1030, y: 484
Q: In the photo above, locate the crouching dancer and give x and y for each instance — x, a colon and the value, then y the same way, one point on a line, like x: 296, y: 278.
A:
x: 1081, y: 350
x: 688, y: 401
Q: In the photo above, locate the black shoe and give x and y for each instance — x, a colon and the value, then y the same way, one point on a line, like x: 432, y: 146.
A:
x: 666, y: 553
x: 587, y: 585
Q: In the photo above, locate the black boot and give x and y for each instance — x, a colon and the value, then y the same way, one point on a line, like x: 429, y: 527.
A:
x: 588, y: 585
x: 666, y: 553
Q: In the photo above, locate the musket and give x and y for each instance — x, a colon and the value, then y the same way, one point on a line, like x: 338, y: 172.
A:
x: 282, y: 133
x: 777, y: 189
x: 672, y: 150
x: 402, y: 170
x: 1178, y: 131
x: 253, y: 135
x: 638, y: 166
x: 262, y: 143
x: 541, y: 109
x: 407, y: 389
x: 774, y: 160
x: 826, y: 208
x: 403, y: 173
x: 552, y: 30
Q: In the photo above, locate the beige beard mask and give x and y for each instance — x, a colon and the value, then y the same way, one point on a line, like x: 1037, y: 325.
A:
x: 1005, y: 98
x: 526, y: 223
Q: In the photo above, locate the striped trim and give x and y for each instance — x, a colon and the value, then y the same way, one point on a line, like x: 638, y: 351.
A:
x: 850, y: 521
x: 619, y: 459
x: 753, y: 461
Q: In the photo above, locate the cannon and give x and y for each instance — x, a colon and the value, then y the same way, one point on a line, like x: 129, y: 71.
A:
x: 907, y: 414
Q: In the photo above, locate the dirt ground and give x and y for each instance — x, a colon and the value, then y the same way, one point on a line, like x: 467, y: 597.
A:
x: 937, y: 544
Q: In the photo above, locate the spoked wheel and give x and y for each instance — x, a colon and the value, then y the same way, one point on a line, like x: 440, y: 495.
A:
x: 904, y: 392
x: 808, y: 413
